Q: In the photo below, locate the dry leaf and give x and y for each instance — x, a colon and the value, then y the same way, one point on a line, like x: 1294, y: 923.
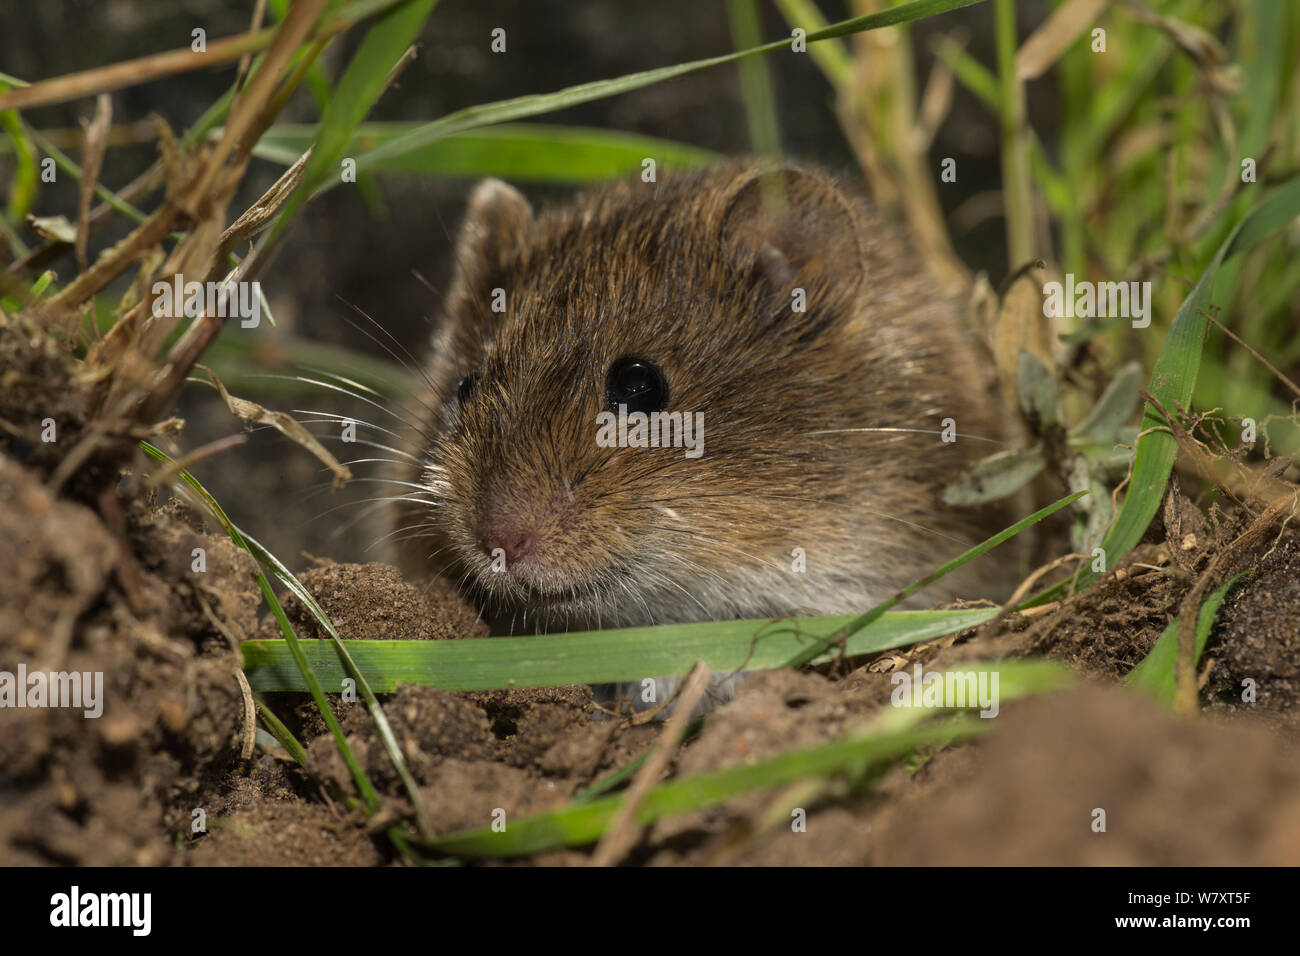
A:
x: 1020, y: 324
x: 1058, y: 32
x: 92, y: 157
x: 286, y: 425
x: 56, y: 228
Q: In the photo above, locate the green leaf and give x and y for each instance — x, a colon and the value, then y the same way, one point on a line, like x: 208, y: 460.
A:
x: 831, y: 58
x: 24, y: 185
x: 1101, y: 425
x: 996, y: 476
x: 1156, y: 674
x: 628, y: 654
x: 292, y: 645
x: 755, y: 81
x: 386, y: 736
x: 1037, y: 388
x: 584, y: 823
x: 1098, y: 511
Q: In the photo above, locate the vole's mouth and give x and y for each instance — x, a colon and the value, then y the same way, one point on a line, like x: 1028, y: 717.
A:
x: 548, y: 596
x: 565, y: 597
x: 561, y: 609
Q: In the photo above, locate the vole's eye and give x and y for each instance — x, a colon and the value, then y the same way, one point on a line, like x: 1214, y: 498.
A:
x: 465, y: 390
x: 636, y: 383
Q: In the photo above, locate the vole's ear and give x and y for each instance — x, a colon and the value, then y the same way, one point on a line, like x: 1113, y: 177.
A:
x: 787, y: 229
x: 496, y: 226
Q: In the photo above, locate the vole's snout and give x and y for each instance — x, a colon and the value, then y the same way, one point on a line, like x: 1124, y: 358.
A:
x: 509, y: 538
x: 524, y: 534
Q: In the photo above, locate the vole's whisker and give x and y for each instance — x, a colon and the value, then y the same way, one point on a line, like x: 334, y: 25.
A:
x: 331, y: 418
x: 325, y: 486
x: 419, y: 276
x: 695, y: 567
x: 367, y: 461
x: 404, y: 534
x: 917, y: 431
x: 435, y: 553
x: 401, y: 534
x: 391, y: 481
x: 414, y: 424
x: 386, y: 400
x: 627, y: 589
x: 412, y: 366
x: 919, y: 527
x: 396, y: 451
x: 373, y: 504
x: 668, y: 580
x: 338, y: 377
x: 362, y: 501
x: 697, y: 533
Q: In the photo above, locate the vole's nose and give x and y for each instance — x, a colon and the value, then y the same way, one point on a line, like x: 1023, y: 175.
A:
x: 513, y: 542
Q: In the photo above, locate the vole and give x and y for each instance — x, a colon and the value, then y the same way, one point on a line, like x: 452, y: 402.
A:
x: 768, y: 304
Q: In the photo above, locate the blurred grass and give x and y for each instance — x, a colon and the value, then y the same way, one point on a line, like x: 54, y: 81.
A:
x: 893, y: 735
x: 755, y: 79
x: 523, y: 152
x: 1156, y: 674
x: 363, y: 81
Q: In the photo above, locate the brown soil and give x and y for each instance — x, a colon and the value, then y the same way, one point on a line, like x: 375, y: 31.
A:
x: 93, y: 581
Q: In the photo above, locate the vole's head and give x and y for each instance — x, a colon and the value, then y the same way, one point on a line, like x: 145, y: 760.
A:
x: 728, y: 299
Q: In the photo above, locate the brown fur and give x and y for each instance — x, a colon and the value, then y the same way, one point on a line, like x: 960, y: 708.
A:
x: 696, y: 274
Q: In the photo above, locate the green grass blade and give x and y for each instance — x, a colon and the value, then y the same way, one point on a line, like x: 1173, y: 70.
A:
x: 283, y: 736
x: 897, y: 733
x: 354, y: 94
x: 584, y: 823
x: 612, y: 781
x: 245, y: 365
x: 386, y: 734
x: 831, y: 57
x: 291, y: 642
x: 520, y: 152
x: 755, y: 81
x: 317, y: 82
x: 1156, y: 674
x: 524, y: 106
x: 980, y: 81
x: 593, y: 657
x: 23, y: 185
x: 870, y: 617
